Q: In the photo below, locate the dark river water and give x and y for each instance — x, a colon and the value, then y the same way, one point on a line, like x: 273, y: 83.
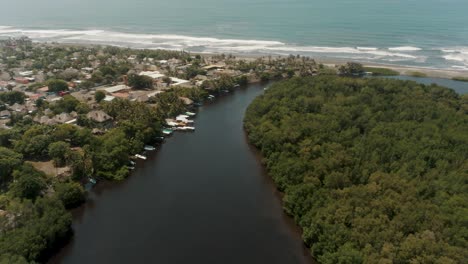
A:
x: 202, y: 198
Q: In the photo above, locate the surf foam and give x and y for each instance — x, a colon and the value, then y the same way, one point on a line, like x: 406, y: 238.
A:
x: 214, y: 45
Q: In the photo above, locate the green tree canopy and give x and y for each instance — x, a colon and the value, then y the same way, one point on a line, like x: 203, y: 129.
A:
x: 99, y: 96
x: 373, y: 170
x: 140, y: 81
x: 57, y: 85
x: 28, y: 182
x: 70, y: 193
x: 12, y: 97
x: 351, y: 69
x: 59, y: 152
x: 9, y: 160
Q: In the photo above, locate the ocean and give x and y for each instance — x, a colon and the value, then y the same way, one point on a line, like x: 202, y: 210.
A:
x: 424, y: 33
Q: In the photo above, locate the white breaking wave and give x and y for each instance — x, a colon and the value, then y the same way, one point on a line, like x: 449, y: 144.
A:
x: 211, y: 45
x: 366, y: 48
x: 458, y: 54
x: 405, y: 48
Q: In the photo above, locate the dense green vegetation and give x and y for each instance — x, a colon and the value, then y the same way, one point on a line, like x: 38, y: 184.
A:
x: 417, y: 74
x: 460, y: 79
x: 381, y: 71
x: 12, y: 97
x: 373, y: 170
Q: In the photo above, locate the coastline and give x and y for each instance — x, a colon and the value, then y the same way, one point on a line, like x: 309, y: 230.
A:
x: 404, y: 70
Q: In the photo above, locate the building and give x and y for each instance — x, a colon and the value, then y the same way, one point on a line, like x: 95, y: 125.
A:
x: 21, y: 80
x: 99, y: 116
x: 5, y: 114
x: 179, y: 82
x: 153, y: 74
x: 116, y: 88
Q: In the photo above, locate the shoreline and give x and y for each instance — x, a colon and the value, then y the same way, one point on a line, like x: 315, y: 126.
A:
x: 404, y: 70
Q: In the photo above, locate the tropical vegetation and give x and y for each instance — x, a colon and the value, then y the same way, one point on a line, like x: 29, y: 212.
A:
x: 373, y: 170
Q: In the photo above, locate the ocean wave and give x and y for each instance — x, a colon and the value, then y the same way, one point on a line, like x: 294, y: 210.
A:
x: 456, y: 54
x: 366, y: 48
x: 215, y: 45
x: 405, y: 48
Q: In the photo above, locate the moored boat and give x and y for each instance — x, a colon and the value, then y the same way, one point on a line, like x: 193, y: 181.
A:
x: 140, y: 156
x: 149, y: 148
x: 167, y: 131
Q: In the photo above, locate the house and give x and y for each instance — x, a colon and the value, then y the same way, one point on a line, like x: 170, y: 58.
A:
x: 45, y: 120
x: 5, y: 114
x: 99, y: 116
x: 21, y: 80
x: 17, y: 108
x: 87, y: 69
x: 116, y: 88
x: 153, y: 74
x: 121, y: 95
x: 26, y: 73
x: 64, y: 118
x: 108, y: 98
x: 179, y: 82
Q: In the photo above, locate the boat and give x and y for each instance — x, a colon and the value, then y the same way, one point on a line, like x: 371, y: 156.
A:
x: 132, y: 162
x: 190, y: 113
x: 236, y: 85
x: 149, y: 148
x: 130, y: 167
x: 140, y: 156
x: 187, y: 128
x: 211, y: 97
x: 90, y: 184
x: 167, y: 131
x: 197, y: 104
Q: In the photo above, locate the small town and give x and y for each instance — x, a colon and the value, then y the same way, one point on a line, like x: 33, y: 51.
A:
x: 74, y: 115
x: 36, y: 78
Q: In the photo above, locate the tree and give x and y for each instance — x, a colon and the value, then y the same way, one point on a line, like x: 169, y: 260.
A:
x: 57, y: 85
x: 372, y: 169
x: 59, y: 152
x: 12, y: 97
x: 9, y: 160
x: 140, y: 81
x: 28, y: 183
x: 99, y: 96
x: 67, y: 105
x: 351, y: 69
x: 167, y: 80
x: 70, y: 193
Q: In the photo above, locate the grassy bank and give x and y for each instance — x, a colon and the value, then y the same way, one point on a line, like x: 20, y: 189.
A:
x: 460, y: 79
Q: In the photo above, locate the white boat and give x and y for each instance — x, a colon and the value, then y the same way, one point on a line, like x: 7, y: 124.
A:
x: 167, y: 131
x: 190, y: 113
x: 140, y: 156
x: 187, y: 128
x: 149, y: 148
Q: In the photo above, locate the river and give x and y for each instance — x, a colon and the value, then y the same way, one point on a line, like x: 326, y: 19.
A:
x: 202, y: 198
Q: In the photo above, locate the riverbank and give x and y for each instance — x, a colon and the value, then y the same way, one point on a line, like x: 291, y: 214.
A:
x: 218, y: 206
